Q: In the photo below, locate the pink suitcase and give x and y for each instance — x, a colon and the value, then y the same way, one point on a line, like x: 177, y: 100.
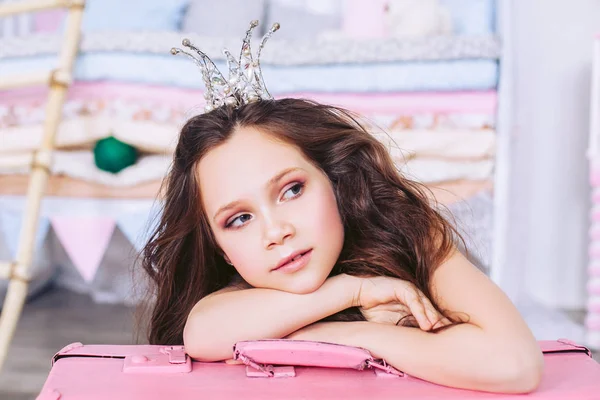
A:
x: 283, y: 369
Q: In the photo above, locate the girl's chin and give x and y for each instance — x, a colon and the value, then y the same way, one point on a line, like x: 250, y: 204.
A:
x: 301, y: 286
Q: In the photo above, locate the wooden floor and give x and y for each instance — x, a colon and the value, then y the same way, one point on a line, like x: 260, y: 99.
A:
x: 48, y: 323
x: 57, y: 318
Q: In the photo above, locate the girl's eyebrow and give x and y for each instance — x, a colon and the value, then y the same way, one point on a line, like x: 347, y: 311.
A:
x: 270, y: 183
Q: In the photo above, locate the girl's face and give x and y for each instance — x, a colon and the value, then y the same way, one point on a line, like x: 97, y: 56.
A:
x: 265, y: 202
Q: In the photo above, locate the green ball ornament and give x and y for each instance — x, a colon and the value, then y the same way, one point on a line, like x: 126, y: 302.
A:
x: 112, y: 155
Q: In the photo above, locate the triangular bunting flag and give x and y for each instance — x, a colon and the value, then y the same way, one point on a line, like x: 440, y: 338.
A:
x: 85, y: 240
x: 138, y: 226
x: 11, y: 223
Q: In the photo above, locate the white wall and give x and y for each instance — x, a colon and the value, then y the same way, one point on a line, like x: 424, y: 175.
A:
x: 544, y: 119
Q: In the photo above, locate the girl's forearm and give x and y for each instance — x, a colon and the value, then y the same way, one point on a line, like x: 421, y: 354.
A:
x: 218, y: 322
x: 461, y: 356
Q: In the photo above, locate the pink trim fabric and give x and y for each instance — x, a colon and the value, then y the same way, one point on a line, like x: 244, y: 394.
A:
x: 468, y: 102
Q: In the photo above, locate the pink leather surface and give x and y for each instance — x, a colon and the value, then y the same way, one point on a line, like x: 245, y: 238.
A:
x: 297, y: 352
x: 566, y: 376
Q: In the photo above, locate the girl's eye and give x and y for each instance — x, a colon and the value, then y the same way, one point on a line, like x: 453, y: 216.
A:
x: 294, y: 190
x: 242, y: 218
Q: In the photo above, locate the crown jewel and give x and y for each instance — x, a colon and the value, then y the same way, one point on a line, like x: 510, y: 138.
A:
x: 244, y: 84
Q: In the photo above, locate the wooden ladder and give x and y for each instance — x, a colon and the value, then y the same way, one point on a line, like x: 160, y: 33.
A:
x: 58, y: 80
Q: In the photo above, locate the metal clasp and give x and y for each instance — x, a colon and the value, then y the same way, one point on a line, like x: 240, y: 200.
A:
x: 169, y: 359
x: 383, y: 369
x: 256, y: 370
x: 176, y: 354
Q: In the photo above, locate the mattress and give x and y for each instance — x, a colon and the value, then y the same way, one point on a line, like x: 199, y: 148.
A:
x: 150, y: 117
x: 120, y: 98
x: 322, y: 51
x: 428, y: 135
x: 432, y: 137
x: 80, y: 164
x: 413, y: 76
x: 448, y: 192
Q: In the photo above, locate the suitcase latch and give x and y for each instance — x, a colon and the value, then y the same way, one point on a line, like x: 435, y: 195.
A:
x: 176, y: 354
x: 383, y: 369
x: 256, y: 370
x: 170, y: 359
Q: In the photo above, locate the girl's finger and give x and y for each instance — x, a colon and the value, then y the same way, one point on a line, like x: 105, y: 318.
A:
x: 432, y: 313
x: 442, y: 322
x: 396, y: 307
x: 417, y: 309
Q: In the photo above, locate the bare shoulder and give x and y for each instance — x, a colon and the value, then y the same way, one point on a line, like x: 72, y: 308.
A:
x: 461, y: 287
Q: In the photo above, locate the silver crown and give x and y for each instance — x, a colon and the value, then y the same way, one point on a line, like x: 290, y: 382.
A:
x: 245, y: 83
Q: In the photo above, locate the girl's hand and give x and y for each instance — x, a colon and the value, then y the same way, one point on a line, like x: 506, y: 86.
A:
x: 394, y: 301
x: 389, y: 313
x: 399, y: 314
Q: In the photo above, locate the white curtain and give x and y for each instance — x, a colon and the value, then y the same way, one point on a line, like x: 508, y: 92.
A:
x: 543, y: 191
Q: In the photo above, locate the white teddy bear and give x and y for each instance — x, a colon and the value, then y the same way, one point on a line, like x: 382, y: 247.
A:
x: 414, y: 18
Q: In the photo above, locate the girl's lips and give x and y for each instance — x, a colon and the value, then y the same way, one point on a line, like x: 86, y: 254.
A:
x: 297, y: 264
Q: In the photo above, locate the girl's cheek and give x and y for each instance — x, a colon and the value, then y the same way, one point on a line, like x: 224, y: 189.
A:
x: 243, y: 258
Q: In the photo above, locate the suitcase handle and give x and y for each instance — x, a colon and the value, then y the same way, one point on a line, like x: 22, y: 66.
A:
x: 260, y: 356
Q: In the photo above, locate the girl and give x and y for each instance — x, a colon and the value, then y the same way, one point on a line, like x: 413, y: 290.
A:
x: 288, y: 219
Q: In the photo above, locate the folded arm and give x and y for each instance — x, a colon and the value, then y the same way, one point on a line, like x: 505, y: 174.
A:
x: 494, y: 351
x: 225, y: 317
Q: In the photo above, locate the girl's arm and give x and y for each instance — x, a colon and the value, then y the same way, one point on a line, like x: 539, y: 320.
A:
x: 494, y: 351
x: 233, y: 314
x: 225, y: 317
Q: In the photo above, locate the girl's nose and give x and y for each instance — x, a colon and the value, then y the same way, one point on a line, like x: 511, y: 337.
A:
x: 277, y: 232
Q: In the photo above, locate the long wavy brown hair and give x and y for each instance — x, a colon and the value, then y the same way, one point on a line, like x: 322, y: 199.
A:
x: 392, y: 228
